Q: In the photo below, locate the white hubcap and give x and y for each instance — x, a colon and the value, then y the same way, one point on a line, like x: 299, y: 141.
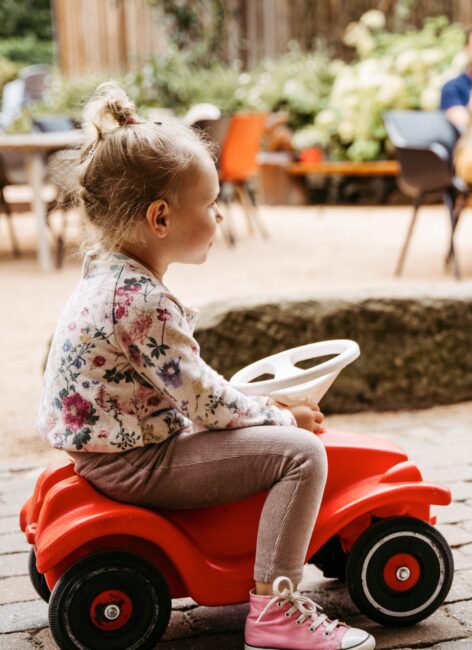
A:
x: 403, y: 573
x: 112, y: 612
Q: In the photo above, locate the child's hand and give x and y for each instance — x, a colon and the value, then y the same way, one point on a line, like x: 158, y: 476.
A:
x: 308, y: 417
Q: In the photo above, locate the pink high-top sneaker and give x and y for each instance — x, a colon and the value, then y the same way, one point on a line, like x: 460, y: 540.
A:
x: 289, y: 621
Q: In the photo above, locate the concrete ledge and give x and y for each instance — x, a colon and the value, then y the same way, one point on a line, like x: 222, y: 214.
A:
x: 416, y: 344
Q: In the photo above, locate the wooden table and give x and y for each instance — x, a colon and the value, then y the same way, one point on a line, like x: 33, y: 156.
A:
x: 36, y: 146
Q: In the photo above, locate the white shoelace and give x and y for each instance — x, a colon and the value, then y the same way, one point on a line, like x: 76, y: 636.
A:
x: 308, y: 608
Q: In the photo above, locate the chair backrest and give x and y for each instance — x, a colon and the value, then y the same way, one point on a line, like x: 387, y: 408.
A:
x: 36, y: 79
x: 13, y: 94
x: 238, y: 160
x: 424, y: 143
x: 53, y: 123
x: 417, y: 128
x: 216, y: 130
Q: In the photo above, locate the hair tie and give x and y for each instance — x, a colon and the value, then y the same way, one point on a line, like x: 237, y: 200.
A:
x: 128, y: 120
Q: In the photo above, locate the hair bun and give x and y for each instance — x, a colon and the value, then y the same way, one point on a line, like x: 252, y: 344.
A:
x: 109, y: 109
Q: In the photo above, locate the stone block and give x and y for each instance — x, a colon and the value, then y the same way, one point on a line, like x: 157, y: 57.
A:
x: 231, y: 641
x: 18, y: 617
x: 13, y: 543
x: 43, y: 639
x: 436, y: 630
x: 413, y: 353
x: 17, y: 641
x: 214, y: 620
x: 13, y: 564
x: 462, y: 561
x: 17, y: 485
x: 460, y: 644
x: 461, y: 491
x: 9, y: 525
x: 16, y: 589
x: 456, y: 535
x: 462, y: 611
x: 180, y: 626
x: 454, y: 514
x: 461, y: 588
x: 183, y: 603
x: 9, y: 508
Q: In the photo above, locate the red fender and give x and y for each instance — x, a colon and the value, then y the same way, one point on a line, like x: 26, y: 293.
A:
x: 400, y: 491
x: 75, y: 515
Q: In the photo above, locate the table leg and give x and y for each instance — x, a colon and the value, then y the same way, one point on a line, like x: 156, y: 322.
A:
x: 36, y: 172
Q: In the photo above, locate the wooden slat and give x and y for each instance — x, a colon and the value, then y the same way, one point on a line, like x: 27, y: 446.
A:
x: 329, y: 168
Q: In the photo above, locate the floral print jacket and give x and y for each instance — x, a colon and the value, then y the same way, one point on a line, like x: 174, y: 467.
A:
x: 124, y: 369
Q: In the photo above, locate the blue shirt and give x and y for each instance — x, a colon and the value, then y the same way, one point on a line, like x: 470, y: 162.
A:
x: 456, y: 92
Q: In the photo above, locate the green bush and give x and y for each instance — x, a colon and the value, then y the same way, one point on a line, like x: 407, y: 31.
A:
x: 8, y: 71
x: 392, y: 71
x: 27, y: 50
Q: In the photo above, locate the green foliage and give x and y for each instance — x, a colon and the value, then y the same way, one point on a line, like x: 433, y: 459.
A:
x: 8, y: 71
x: 330, y: 103
x: 23, y: 17
x: 27, y: 50
x: 298, y: 83
x: 178, y: 79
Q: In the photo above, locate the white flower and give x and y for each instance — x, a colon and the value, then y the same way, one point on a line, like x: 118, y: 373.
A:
x: 373, y: 19
x: 366, y: 45
x: 429, y: 99
x: 291, y: 87
x: 326, y: 119
x: 392, y: 91
x: 354, y: 33
x: 337, y: 67
x: 244, y: 78
x: 406, y: 61
x: 431, y: 56
x: 310, y: 136
x: 346, y: 131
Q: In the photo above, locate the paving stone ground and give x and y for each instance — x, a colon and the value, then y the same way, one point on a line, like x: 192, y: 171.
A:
x: 438, y: 439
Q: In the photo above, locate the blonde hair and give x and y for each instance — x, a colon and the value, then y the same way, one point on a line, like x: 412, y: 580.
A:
x: 128, y: 163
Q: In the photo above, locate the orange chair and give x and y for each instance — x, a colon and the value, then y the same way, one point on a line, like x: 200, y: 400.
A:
x: 238, y: 165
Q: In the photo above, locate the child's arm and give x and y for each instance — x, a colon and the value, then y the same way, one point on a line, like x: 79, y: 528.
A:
x: 159, y: 345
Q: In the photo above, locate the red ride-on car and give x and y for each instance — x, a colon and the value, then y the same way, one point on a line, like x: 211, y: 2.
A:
x: 109, y: 570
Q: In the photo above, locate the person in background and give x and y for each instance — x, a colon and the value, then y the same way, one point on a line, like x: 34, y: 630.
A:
x: 455, y: 95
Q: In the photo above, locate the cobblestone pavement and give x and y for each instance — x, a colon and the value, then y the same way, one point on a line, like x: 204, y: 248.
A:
x: 438, y: 439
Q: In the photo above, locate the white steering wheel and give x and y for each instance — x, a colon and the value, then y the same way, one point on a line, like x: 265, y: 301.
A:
x: 291, y: 385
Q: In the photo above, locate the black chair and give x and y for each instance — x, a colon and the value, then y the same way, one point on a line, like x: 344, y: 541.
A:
x: 424, y: 142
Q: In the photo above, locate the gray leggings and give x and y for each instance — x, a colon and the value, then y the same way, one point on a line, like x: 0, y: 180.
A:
x: 205, y: 468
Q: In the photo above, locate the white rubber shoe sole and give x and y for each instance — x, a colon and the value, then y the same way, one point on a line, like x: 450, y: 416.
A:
x: 368, y: 644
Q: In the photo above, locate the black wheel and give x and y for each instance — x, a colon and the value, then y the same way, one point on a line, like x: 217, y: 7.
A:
x: 399, y: 571
x: 331, y: 559
x: 110, y: 600
x: 37, y: 579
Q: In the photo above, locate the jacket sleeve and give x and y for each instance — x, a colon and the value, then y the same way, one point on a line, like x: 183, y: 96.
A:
x: 159, y: 345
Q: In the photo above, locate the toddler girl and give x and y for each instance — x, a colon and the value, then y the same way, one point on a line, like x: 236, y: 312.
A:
x: 128, y: 397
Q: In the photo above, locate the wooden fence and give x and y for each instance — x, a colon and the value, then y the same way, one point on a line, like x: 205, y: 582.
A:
x: 111, y: 35
x: 117, y: 35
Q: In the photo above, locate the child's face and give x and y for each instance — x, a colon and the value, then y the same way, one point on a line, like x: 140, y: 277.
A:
x: 194, y: 218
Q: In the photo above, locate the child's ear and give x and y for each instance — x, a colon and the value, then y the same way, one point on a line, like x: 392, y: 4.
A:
x: 157, y: 217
